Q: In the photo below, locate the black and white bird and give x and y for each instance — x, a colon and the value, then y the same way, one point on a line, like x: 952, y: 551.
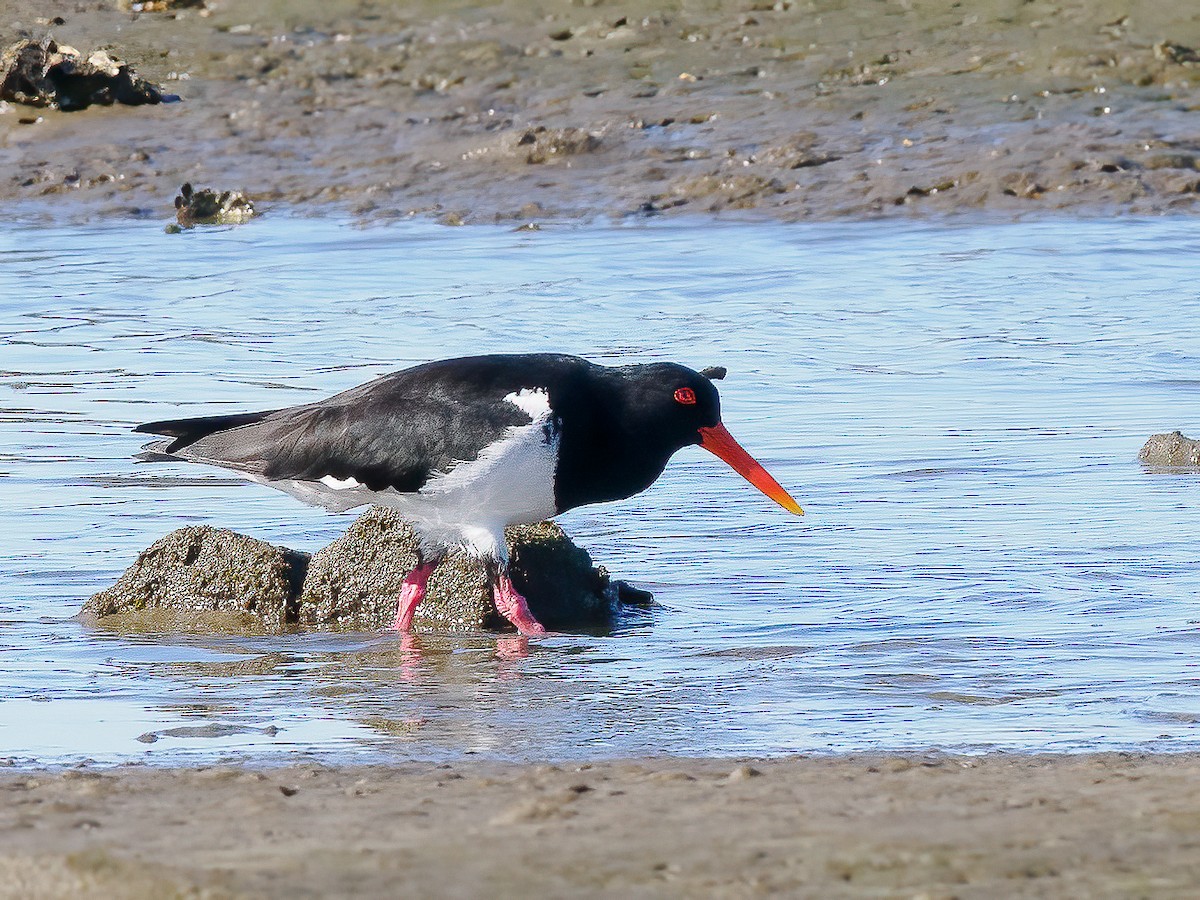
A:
x: 462, y: 448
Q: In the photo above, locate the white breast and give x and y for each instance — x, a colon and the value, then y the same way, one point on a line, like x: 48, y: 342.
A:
x: 534, y: 402
x: 511, y: 481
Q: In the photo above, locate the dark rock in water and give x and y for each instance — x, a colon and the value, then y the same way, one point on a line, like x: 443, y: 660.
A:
x: 196, y: 571
x: 201, y: 578
x: 1177, y: 53
x: 628, y: 595
x: 153, y: 6
x: 355, y: 580
x: 43, y: 73
x: 558, y: 579
x: 208, y: 207
x: 1171, y: 451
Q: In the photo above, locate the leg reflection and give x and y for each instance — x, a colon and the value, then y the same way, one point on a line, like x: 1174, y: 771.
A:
x: 411, y: 651
x: 512, y: 647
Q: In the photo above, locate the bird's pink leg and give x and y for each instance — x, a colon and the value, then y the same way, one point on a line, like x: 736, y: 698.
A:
x: 412, y: 592
x: 512, y: 605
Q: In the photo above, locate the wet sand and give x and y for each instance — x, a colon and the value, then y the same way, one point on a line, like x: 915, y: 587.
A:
x: 516, y: 112
x: 863, y: 826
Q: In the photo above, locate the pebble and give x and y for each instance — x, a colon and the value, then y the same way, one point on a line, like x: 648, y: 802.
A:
x: 744, y: 773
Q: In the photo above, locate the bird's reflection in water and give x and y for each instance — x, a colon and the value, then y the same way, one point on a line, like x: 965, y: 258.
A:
x: 414, y: 657
x: 431, y: 691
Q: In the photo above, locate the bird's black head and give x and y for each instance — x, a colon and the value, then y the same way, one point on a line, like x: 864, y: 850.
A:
x: 675, y: 406
x: 667, y: 405
x: 639, y: 417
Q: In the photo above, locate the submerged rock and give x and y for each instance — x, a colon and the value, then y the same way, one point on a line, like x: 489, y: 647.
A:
x: 1173, y: 451
x: 218, y: 578
x: 44, y: 73
x: 355, y: 580
x: 213, y: 579
x: 209, y: 207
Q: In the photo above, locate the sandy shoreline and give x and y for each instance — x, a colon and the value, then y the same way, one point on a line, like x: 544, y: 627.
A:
x: 514, y: 112
x: 1102, y: 825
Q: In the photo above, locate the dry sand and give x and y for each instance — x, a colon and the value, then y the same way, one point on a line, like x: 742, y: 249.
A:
x: 891, y: 826
x: 516, y: 111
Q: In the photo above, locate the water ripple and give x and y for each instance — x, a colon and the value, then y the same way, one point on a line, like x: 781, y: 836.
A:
x: 983, y: 564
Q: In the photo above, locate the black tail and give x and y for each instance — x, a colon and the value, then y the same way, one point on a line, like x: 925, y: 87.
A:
x: 188, y: 431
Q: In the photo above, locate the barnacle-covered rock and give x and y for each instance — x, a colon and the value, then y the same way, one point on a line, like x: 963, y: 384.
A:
x: 44, y: 73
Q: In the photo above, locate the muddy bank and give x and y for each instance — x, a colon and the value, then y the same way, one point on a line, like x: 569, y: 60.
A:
x: 512, y: 112
x: 1107, y: 825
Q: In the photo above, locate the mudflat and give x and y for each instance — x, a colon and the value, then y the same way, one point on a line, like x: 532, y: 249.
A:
x: 509, y: 111
x: 1093, y: 825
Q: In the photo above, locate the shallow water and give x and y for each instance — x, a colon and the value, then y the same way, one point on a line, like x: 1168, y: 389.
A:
x: 983, y: 563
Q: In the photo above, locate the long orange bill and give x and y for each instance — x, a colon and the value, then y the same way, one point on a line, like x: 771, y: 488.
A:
x: 718, y: 441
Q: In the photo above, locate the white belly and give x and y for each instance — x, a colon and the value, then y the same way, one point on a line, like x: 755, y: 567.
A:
x: 511, y: 482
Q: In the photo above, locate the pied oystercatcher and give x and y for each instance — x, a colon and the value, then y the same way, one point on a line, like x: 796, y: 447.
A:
x: 463, y: 447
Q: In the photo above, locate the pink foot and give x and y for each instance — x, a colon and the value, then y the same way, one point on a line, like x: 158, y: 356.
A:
x: 513, y: 607
x: 411, y: 595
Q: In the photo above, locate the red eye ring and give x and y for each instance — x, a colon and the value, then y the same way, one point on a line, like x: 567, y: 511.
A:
x: 686, y: 396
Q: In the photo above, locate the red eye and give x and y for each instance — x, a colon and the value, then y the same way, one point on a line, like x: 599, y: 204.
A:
x: 686, y: 396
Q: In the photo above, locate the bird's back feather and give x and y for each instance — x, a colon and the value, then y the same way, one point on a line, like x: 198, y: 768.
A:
x: 396, y: 432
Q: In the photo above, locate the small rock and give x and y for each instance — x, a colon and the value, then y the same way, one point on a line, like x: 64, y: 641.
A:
x: 1023, y: 185
x: 1171, y: 451
x: 161, y: 5
x: 198, y: 570
x: 721, y: 191
x: 208, y: 207
x: 629, y: 595
x: 548, y: 144
x: 1177, y: 53
x: 44, y: 73
x: 744, y: 773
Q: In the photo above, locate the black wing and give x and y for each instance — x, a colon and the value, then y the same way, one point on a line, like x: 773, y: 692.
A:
x: 188, y: 431
x: 396, y: 431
